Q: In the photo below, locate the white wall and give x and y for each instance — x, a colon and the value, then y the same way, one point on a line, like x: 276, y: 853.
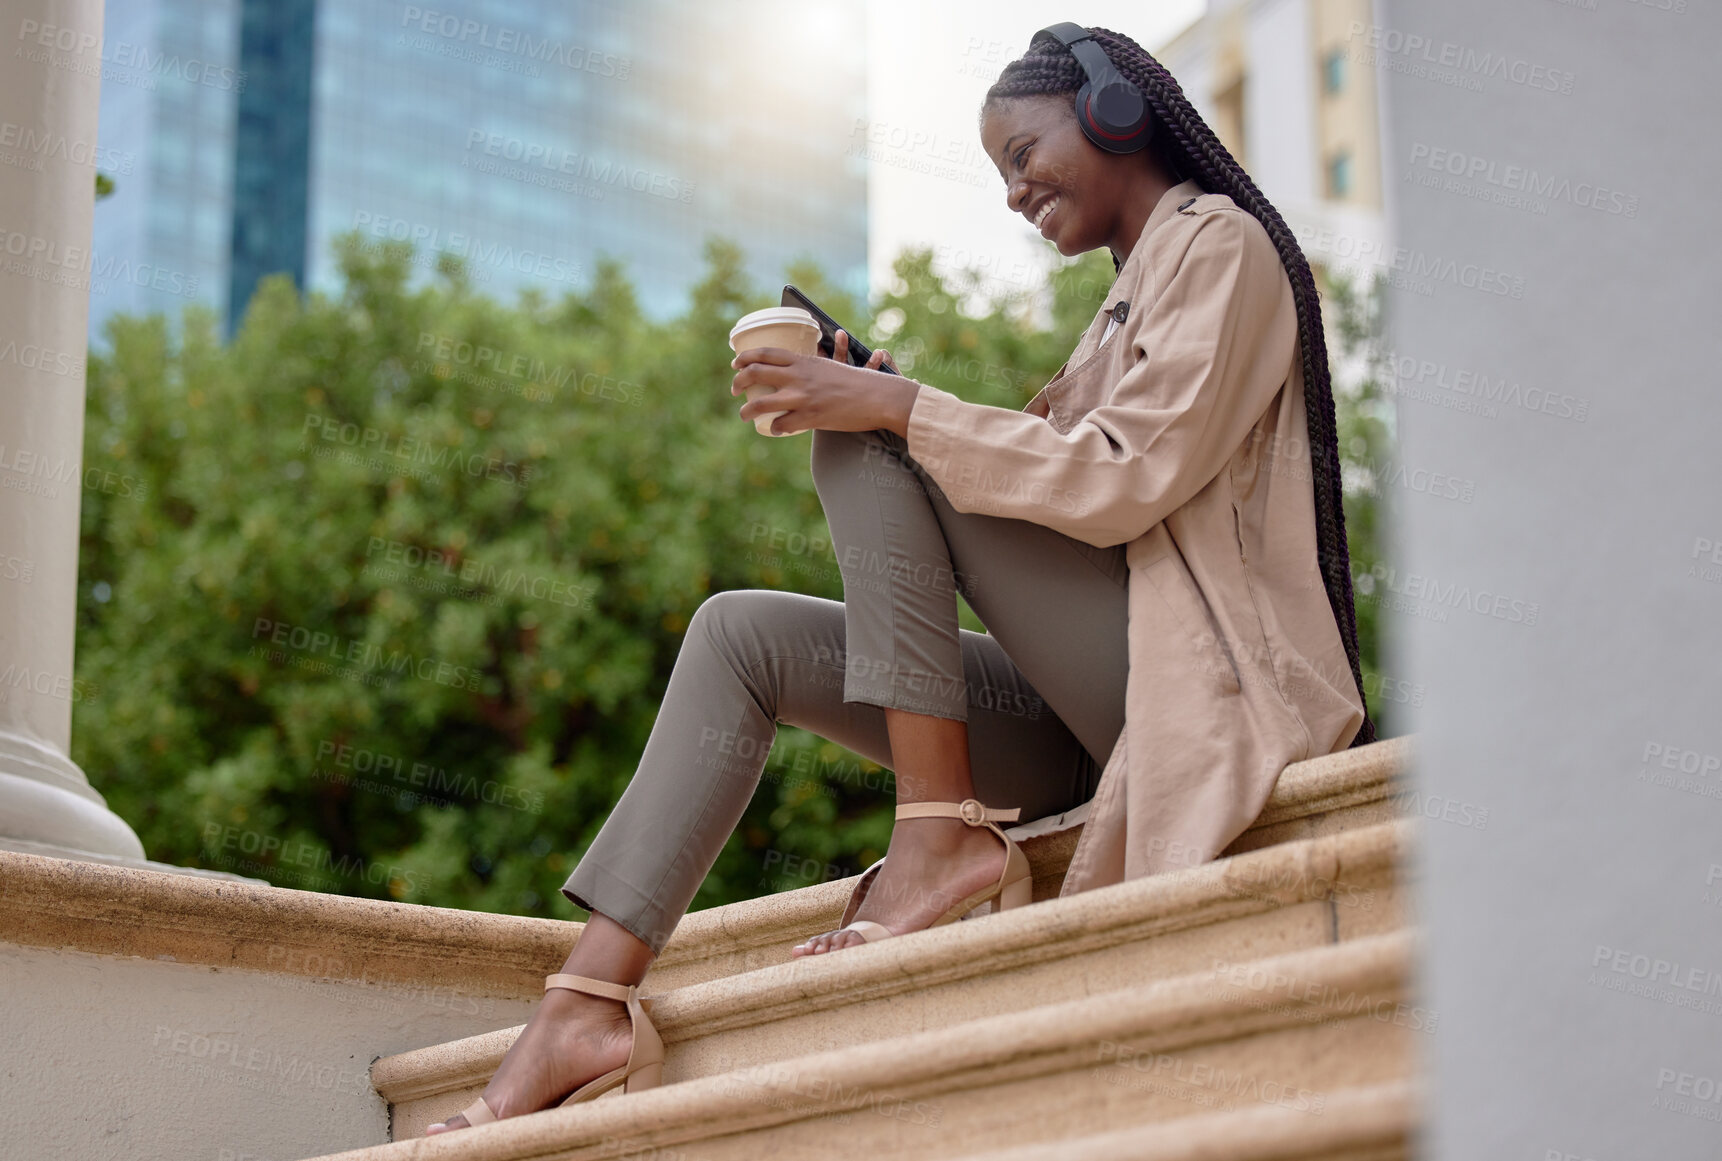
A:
x: 126, y: 1057
x: 1598, y: 648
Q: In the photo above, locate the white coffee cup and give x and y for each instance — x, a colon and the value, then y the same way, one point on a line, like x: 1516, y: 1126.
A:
x: 788, y: 327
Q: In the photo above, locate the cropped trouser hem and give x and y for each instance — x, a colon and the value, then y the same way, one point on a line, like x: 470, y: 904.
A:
x: 642, y: 913
x: 885, y: 698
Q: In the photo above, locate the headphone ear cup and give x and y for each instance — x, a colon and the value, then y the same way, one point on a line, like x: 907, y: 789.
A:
x: 1122, y: 115
x: 1089, y: 129
x: 1119, y: 140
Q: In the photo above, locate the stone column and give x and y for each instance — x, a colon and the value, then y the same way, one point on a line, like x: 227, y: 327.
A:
x: 50, y: 88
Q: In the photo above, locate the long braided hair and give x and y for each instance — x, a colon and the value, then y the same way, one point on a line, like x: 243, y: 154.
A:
x: 1194, y: 153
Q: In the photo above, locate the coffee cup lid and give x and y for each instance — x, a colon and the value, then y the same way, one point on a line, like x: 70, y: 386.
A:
x: 771, y: 314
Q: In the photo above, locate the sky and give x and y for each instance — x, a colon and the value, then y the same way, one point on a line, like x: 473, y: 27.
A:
x: 931, y: 183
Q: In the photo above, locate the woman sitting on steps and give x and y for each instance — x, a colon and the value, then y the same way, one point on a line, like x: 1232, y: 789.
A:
x: 1155, y: 544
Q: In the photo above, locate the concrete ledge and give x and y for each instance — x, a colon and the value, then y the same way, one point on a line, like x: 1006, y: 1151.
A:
x: 127, y: 911
x: 1371, y: 1123
x: 948, y: 974
x: 123, y: 911
x: 1315, y: 1021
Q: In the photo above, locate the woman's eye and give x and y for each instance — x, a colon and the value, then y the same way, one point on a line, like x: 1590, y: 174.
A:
x: 1020, y: 154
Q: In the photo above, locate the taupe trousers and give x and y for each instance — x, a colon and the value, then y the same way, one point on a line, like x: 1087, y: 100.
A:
x: 1042, y: 690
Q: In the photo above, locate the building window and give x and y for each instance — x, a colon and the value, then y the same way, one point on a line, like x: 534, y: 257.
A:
x: 1333, y: 70
x: 1339, y: 176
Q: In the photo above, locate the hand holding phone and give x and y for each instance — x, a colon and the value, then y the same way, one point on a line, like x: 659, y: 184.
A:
x: 877, y: 361
x: 858, y: 354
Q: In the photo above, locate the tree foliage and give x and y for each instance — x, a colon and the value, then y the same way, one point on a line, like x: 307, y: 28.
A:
x: 391, y: 594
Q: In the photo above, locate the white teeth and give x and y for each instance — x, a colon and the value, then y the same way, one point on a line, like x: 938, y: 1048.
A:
x: 1044, y: 210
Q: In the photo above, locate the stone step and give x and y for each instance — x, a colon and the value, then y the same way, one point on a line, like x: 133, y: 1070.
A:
x: 1368, y: 1123
x: 1299, y: 894
x: 1288, y: 1031
x: 1323, y: 796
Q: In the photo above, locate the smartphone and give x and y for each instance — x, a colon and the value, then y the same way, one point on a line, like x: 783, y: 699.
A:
x: 859, y: 352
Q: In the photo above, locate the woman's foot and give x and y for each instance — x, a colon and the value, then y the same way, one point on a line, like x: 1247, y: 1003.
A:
x: 931, y: 865
x: 572, y: 1038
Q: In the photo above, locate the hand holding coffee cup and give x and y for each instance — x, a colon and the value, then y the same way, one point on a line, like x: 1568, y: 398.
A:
x: 788, y: 327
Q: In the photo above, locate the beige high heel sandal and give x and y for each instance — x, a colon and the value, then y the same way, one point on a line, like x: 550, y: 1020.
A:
x: 1014, y: 888
x: 645, y: 1067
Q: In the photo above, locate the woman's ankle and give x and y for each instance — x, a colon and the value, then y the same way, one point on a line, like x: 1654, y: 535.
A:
x: 608, y: 951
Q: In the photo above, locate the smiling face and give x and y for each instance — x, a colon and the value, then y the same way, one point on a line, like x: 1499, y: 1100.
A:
x: 1096, y: 198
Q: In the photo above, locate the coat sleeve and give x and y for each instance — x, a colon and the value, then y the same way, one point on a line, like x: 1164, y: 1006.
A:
x: 1210, y: 355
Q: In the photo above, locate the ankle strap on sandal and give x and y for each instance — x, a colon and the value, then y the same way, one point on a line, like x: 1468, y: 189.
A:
x: 591, y: 987
x: 969, y: 810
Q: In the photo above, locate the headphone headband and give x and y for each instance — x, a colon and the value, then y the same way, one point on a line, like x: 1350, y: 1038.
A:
x: 1110, y: 108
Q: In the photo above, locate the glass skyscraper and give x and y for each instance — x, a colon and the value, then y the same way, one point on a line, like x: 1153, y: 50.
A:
x: 526, y: 136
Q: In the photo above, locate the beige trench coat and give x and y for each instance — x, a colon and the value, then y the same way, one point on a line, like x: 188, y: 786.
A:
x: 1183, y: 437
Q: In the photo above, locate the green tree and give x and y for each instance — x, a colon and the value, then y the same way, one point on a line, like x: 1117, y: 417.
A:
x: 1365, y: 420
x: 382, y: 596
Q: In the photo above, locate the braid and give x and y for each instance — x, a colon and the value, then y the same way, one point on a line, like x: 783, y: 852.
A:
x: 1196, y: 154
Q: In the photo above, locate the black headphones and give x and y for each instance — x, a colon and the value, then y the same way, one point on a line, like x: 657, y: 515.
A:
x: 1111, y: 110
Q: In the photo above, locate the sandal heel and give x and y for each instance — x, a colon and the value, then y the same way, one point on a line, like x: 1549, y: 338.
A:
x: 648, y: 1076
x: 1015, y: 886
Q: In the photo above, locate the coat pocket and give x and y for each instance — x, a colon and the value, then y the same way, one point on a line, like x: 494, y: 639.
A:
x: 1207, y: 649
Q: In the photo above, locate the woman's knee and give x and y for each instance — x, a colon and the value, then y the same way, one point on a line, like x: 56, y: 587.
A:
x: 739, y: 623
x: 841, y: 457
